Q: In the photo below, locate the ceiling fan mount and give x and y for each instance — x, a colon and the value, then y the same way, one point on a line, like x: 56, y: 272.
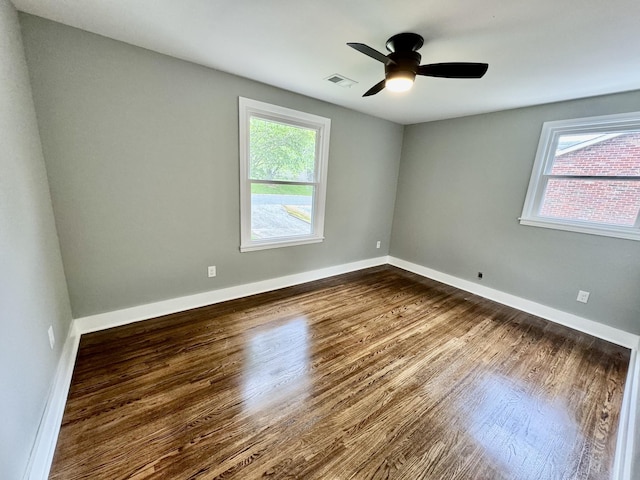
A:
x: 405, y: 42
x: 402, y: 64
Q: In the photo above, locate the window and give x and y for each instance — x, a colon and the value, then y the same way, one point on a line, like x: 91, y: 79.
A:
x: 586, y: 177
x: 283, y: 170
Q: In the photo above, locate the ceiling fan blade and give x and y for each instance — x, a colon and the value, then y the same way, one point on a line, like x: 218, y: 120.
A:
x: 367, y: 50
x: 375, y: 89
x: 454, y: 70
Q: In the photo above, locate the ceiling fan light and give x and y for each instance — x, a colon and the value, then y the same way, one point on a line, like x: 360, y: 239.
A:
x: 399, y: 83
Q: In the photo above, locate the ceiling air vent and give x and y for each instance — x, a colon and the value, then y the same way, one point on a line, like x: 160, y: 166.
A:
x: 340, y: 80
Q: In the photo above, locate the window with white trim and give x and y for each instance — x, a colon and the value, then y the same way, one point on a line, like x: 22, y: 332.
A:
x: 283, y: 174
x: 586, y: 177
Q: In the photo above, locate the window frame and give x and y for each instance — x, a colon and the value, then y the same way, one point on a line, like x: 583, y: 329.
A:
x: 545, y: 155
x: 249, y: 108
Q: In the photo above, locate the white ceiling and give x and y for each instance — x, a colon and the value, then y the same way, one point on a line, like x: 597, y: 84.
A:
x: 538, y: 51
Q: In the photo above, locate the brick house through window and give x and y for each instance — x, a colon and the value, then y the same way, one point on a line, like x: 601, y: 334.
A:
x: 595, y: 180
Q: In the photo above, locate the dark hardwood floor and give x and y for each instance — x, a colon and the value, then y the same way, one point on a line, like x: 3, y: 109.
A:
x: 370, y: 375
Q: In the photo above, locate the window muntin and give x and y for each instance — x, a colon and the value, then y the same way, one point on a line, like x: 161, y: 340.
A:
x: 586, y: 177
x: 283, y: 163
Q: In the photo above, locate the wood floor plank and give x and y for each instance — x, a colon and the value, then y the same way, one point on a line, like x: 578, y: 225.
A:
x: 376, y: 374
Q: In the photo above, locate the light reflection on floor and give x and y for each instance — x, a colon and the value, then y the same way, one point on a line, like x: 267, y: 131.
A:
x: 276, y: 365
x: 523, y: 434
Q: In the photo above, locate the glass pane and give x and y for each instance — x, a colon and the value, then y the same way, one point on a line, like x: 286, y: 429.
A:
x: 281, y: 152
x: 600, y: 155
x: 609, y: 202
x: 281, y: 210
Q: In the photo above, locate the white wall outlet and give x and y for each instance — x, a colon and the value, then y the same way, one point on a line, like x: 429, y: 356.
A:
x: 211, y: 271
x: 52, y: 338
x: 378, y: 244
x: 583, y: 296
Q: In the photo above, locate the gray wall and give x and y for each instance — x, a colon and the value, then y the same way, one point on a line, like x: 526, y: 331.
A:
x: 33, y: 293
x: 461, y: 189
x: 142, y: 156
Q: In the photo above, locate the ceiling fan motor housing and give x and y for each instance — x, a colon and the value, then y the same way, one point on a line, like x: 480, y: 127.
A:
x: 404, y: 63
x: 404, y: 58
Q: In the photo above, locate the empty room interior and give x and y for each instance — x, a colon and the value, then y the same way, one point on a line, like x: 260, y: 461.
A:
x: 319, y: 240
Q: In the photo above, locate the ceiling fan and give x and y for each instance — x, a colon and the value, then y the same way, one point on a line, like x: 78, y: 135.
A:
x: 403, y: 64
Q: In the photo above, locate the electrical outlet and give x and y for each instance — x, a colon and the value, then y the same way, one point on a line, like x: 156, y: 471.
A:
x: 52, y: 338
x: 378, y: 244
x: 479, y: 274
x: 211, y: 271
x: 583, y: 296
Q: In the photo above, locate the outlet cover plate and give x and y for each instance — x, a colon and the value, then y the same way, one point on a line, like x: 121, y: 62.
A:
x: 583, y: 296
x: 211, y: 271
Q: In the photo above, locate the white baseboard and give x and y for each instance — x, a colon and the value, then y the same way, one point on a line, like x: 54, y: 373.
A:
x: 629, y: 418
x: 599, y: 330
x: 47, y: 436
x: 117, y: 318
x: 44, y: 447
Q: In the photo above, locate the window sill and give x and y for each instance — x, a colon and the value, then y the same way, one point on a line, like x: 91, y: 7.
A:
x: 624, y: 233
x: 253, y: 246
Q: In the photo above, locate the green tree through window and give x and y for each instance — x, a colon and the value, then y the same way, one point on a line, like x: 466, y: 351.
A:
x: 281, y: 152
